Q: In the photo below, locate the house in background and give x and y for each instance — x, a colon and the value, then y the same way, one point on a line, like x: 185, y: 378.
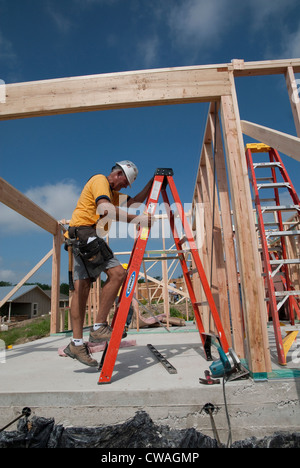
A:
x: 63, y: 299
x: 28, y: 302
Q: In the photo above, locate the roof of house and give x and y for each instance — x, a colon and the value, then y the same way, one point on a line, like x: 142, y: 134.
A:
x: 62, y: 297
x: 4, y: 290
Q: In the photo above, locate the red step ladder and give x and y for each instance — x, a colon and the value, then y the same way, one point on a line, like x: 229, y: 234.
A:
x: 273, y: 230
x: 163, y: 178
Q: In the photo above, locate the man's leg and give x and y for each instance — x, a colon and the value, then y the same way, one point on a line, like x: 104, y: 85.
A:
x: 77, y: 349
x: 78, y: 306
x: 101, y: 331
x: 109, y: 292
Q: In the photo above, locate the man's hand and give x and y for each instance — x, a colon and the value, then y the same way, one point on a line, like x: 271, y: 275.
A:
x: 144, y: 220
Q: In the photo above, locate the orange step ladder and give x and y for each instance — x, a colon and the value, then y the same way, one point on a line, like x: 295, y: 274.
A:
x: 276, y: 184
x: 163, y: 178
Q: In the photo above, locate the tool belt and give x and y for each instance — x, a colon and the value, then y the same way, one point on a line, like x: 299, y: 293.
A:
x: 94, y: 252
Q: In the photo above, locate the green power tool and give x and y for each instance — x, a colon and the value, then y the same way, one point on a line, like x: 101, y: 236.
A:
x: 228, y: 365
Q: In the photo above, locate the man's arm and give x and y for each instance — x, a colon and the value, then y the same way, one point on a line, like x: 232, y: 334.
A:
x: 142, y: 195
x: 107, y: 209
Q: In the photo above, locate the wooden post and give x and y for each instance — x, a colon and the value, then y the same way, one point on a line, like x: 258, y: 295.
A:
x: 211, y: 265
x: 254, y: 308
x: 165, y: 278
x: 201, y: 246
x: 55, y: 287
x: 229, y: 249
x: 217, y: 253
x: 294, y: 97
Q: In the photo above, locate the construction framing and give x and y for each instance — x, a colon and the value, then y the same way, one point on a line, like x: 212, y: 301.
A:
x: 214, y: 84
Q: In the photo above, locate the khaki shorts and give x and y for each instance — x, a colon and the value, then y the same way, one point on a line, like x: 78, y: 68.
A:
x: 80, y: 271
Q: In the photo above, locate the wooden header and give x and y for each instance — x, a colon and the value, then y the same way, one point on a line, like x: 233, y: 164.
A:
x: 131, y: 89
x: 266, y: 67
x: 114, y: 91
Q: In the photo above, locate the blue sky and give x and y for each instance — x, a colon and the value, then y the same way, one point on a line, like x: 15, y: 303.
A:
x: 50, y: 158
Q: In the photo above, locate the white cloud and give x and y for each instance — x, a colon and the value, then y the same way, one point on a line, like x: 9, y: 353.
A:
x: 59, y: 200
x: 291, y: 44
x: 6, y: 48
x: 88, y: 3
x: 268, y: 10
x: 61, y: 20
x: 198, y: 20
x: 149, y: 50
x: 66, y: 21
x: 8, y: 275
x: 200, y: 25
x: 5, y: 274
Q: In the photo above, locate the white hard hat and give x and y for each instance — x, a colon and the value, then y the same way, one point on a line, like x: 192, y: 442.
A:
x: 129, y: 169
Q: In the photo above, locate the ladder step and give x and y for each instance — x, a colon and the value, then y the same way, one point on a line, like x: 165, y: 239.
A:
x: 280, y: 208
x: 263, y: 178
x: 192, y: 272
x: 152, y: 259
x: 289, y: 327
x: 183, y: 240
x: 287, y: 293
x: 266, y: 164
x: 267, y: 199
x: 282, y: 233
x: 289, y: 261
x: 273, y: 185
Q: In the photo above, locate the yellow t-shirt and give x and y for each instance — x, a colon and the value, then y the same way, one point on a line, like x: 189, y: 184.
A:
x: 97, y: 187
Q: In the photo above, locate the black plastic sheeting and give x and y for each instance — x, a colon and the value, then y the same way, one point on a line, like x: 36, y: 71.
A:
x: 138, y: 432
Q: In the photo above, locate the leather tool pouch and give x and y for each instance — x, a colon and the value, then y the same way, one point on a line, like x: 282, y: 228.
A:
x: 93, y: 253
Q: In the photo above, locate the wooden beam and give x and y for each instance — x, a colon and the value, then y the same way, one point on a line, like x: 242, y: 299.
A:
x: 254, y: 307
x: 217, y: 254
x: 264, y: 67
x: 212, y: 135
x: 294, y: 97
x: 229, y: 248
x: 286, y: 144
x: 24, y: 206
x: 55, y: 284
x: 201, y: 242
x: 114, y: 91
x: 131, y: 89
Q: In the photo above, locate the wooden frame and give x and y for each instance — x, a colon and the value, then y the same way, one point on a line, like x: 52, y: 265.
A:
x: 211, y: 83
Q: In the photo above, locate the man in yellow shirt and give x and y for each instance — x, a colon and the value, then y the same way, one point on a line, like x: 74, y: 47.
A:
x: 98, y: 205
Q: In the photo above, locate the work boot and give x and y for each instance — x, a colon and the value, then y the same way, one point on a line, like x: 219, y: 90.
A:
x: 102, y: 334
x: 81, y: 353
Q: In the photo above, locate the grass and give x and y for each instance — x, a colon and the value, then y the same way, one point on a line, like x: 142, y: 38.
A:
x: 38, y: 328
x: 28, y: 332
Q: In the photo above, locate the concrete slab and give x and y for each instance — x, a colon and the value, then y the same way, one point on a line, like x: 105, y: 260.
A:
x: 34, y: 375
